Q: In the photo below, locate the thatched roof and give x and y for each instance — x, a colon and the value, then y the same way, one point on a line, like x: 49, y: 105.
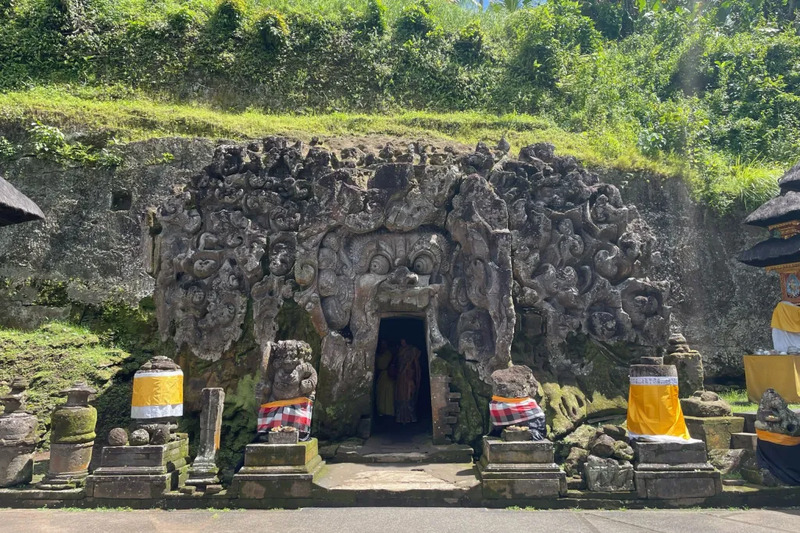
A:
x: 15, y: 207
x: 791, y: 180
x: 782, y: 208
x: 772, y: 252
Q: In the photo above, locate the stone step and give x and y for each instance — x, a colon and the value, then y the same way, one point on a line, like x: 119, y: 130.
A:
x: 445, y: 453
x: 749, y: 420
x: 398, y: 484
x: 743, y: 441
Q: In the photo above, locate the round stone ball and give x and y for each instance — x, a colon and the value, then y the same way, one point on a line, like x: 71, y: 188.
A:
x: 140, y: 437
x: 118, y: 437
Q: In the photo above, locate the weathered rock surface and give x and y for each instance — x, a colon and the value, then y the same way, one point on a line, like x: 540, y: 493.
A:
x: 99, y: 226
x: 727, y: 461
x: 705, y: 403
x: 467, y: 244
x: 775, y: 416
x: 608, y: 475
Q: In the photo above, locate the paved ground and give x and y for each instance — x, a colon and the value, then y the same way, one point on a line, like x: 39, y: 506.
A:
x: 390, y: 520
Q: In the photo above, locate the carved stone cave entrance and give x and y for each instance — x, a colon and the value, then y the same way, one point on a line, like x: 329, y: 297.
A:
x: 413, y: 329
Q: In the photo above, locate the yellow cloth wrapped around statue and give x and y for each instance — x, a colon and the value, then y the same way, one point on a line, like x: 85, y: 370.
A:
x: 157, y: 394
x: 654, y: 409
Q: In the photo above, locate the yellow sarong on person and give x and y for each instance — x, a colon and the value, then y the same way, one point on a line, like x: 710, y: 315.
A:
x: 654, y: 408
x: 786, y: 317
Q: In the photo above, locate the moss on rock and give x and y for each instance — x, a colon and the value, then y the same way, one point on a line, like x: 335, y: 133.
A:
x: 53, y: 357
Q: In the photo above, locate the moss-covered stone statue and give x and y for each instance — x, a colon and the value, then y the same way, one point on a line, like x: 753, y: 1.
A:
x: 513, y: 404
x: 286, y: 387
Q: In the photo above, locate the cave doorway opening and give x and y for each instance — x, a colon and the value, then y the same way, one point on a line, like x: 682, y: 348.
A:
x: 402, y: 387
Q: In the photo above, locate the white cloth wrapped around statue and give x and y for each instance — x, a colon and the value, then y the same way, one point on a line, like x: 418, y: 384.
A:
x: 786, y: 327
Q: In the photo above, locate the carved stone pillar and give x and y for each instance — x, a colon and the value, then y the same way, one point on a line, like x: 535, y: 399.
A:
x: 71, y: 440
x: 203, y: 472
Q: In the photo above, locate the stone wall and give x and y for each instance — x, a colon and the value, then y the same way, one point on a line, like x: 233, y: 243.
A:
x: 722, y: 307
x: 95, y: 247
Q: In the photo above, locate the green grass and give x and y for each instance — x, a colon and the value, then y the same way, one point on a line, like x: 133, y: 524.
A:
x: 53, y: 357
x: 132, y: 116
x: 740, y: 402
x: 136, y: 117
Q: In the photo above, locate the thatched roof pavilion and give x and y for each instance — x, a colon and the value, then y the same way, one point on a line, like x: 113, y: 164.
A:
x: 791, y: 180
x: 15, y: 207
x: 775, y: 251
x: 783, y: 208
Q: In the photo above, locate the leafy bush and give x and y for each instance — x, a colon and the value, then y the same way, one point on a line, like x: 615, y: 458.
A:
x: 416, y: 22
x: 273, y: 31
x: 228, y: 18
x: 375, y: 19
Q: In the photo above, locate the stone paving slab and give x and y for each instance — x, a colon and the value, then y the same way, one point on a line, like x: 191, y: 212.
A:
x: 437, y: 476
x: 382, y: 520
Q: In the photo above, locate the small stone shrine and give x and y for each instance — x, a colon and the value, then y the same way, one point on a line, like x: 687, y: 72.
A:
x: 283, y: 467
x: 71, y: 440
x: 17, y: 437
x: 203, y: 472
x: 153, y: 459
x: 520, y: 464
x: 710, y: 419
x: 669, y: 465
x: 688, y: 362
x: 779, y: 253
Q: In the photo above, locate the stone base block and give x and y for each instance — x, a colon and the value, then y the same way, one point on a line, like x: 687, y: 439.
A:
x: 715, y: 431
x: 676, y: 485
x: 135, y: 486
x: 744, y: 441
x: 264, y: 455
x: 670, y: 453
x: 140, y: 472
x: 523, y: 485
x: 16, y: 465
x: 277, y: 471
x: 520, y: 470
x: 608, y: 475
x: 149, y: 459
x: 63, y: 481
x: 496, y: 451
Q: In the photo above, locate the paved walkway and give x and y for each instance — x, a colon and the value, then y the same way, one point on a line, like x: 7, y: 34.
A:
x: 390, y: 520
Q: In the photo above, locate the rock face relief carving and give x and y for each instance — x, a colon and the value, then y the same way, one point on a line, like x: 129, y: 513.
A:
x: 465, y: 242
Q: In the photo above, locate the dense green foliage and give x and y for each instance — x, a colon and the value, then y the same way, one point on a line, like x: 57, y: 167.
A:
x: 715, y: 85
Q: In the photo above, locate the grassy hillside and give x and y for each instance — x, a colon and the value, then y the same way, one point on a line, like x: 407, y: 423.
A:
x: 709, y: 91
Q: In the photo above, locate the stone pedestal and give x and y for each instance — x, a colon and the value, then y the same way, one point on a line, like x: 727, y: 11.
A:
x: 17, y: 437
x: 520, y: 470
x: 140, y: 472
x: 715, y: 431
x: 203, y: 472
x: 277, y: 471
x: 71, y: 440
x: 674, y: 470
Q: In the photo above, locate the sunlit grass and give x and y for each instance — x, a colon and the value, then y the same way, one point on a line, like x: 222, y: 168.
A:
x: 132, y: 116
x: 740, y: 402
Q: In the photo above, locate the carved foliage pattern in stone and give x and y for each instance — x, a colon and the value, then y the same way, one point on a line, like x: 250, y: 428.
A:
x: 461, y: 240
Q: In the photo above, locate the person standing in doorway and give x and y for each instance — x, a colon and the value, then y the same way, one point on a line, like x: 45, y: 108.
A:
x: 409, y: 375
x: 384, y: 388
